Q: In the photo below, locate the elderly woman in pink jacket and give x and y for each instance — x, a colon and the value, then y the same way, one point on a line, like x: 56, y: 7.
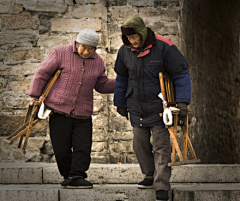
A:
x: 71, y: 100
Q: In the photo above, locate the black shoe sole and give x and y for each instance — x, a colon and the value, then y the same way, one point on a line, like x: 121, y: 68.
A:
x: 145, y: 187
x: 161, y: 200
x: 80, y: 187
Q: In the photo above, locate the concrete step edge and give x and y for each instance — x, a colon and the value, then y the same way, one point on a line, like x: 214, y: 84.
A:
x: 40, y: 173
x: 119, y: 192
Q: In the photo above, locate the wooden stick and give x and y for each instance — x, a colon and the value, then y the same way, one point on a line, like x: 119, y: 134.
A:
x: 162, y: 89
x: 175, y: 120
x: 185, y: 137
x: 191, y: 148
x: 175, y: 143
x: 29, y: 121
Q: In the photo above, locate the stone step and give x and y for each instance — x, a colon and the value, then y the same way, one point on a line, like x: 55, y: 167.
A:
x: 47, y: 173
x: 119, y: 192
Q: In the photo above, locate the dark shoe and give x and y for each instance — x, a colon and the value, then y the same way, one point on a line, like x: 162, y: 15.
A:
x: 79, y: 182
x: 146, y: 183
x: 162, y: 195
x: 65, y: 182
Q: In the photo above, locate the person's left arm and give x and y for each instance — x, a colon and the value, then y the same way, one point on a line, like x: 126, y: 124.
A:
x: 104, y: 84
x: 177, y: 65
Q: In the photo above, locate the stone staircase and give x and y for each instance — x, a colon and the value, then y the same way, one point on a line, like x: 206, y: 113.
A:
x: 40, y: 182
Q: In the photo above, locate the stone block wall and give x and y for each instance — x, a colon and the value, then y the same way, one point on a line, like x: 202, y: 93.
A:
x: 204, y: 32
x: 210, y: 40
x: 30, y: 29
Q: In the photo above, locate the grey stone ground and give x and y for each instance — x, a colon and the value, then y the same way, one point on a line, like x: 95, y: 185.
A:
x: 40, y: 181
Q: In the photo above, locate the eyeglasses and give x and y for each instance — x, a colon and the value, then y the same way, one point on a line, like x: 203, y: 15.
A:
x: 88, y: 48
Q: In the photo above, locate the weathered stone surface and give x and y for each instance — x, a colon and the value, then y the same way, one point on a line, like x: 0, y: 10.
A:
x: 119, y: 123
x: 169, y: 15
x: 87, y: 1
x: 21, y: 21
x: 16, y: 122
x: 100, y: 123
x: 5, y: 6
x: 117, y: 2
x: 167, y: 3
x: 162, y: 27
x: 131, y: 158
x: 119, y: 135
x: 97, y: 106
x: 126, y: 173
x: 109, y: 192
x: 44, y: 5
x: 112, y: 192
x: 24, y: 54
x: 51, y: 174
x: 115, y: 43
x: 11, y: 153
x: 100, y: 157
x: 20, y: 86
x: 206, y: 192
x: 89, y: 10
x: 15, y: 9
x: 20, y: 174
x: 3, y: 83
x: 47, y: 43
x: 99, y: 147
x: 2, y: 55
x: 100, y: 135
x: 75, y: 25
x: 48, y: 149
x: 141, y: 3
x: 17, y: 37
x: 14, y: 100
x: 23, y: 70
x: 25, y: 192
x: 205, y: 173
x: 121, y: 146
x: 119, y: 14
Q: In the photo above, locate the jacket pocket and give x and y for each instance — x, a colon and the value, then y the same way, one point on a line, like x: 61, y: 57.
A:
x: 129, y: 91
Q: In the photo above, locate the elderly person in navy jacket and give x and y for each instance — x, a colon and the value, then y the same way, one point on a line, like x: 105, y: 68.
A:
x: 71, y: 100
x: 140, y: 59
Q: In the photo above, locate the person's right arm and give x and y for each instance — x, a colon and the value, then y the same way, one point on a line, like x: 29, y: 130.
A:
x: 42, y: 75
x: 121, y: 81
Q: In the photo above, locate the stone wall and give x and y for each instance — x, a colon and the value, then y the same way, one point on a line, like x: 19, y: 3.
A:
x: 30, y: 29
x: 210, y: 40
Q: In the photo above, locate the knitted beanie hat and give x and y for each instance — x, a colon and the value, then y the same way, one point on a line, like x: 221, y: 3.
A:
x: 88, y: 37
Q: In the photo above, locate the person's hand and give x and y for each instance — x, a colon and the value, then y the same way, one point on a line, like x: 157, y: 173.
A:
x: 123, y: 111
x: 32, y: 100
x: 183, y: 112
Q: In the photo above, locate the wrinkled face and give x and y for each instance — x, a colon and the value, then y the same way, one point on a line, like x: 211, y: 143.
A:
x: 85, y: 51
x: 135, y: 40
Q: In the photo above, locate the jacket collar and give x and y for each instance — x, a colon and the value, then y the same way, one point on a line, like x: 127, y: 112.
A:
x: 142, y: 53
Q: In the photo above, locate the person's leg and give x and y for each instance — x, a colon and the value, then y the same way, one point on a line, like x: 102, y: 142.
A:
x: 143, y: 150
x: 82, y: 144
x: 162, y: 156
x: 61, y: 137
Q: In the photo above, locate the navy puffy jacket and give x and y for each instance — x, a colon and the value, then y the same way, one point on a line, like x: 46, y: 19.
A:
x: 137, y: 84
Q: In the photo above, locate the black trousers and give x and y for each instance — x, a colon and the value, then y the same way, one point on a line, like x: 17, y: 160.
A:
x: 72, y: 142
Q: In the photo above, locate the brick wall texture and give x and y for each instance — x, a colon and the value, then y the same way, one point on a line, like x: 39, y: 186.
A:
x: 206, y: 32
